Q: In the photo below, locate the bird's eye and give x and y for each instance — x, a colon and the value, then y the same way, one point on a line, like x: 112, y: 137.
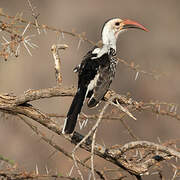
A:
x: 117, y: 23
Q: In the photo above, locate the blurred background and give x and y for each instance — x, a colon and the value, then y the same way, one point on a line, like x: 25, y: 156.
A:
x: 158, y: 50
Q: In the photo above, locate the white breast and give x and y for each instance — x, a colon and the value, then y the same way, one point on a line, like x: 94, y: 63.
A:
x: 96, y: 51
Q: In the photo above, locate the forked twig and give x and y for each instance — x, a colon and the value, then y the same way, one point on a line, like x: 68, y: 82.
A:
x: 57, y: 61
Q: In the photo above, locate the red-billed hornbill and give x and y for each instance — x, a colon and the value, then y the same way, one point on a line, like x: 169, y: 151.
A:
x: 97, y: 70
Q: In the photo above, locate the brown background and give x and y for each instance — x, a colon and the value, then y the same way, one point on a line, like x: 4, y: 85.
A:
x: 156, y: 50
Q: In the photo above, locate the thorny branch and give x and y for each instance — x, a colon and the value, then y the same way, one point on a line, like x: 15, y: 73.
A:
x: 19, y: 105
x: 17, y: 38
x: 121, y: 156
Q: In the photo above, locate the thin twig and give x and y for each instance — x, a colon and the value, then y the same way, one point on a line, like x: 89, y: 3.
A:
x: 35, y: 15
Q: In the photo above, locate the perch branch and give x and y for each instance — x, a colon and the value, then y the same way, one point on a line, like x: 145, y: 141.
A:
x: 18, y: 105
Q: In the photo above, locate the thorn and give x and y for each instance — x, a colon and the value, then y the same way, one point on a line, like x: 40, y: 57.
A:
x: 62, y: 35
x: 37, y: 171
x: 176, y: 158
x: 5, y: 40
x: 175, y: 109
x: 27, y: 48
x: 25, y: 29
x: 175, y: 167
x: 17, y: 51
x: 172, y: 108
x: 123, y: 109
x: 28, y: 36
x: 44, y: 29
x: 47, y: 171
x: 38, y: 30
x: 79, y: 43
x: 90, y: 174
x: 71, y: 170
x: 175, y: 172
x: 86, y: 121
x: 20, y: 15
x: 137, y: 74
x: 35, y: 45
x: 159, y: 140
x: 81, y: 125
x: 32, y: 45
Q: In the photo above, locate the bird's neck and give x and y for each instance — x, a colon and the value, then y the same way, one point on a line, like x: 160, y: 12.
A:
x: 109, y: 39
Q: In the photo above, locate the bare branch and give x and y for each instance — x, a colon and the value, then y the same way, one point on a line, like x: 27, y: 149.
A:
x: 57, y: 61
x: 17, y: 105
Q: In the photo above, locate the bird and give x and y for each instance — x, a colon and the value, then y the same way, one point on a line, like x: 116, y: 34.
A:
x: 97, y: 70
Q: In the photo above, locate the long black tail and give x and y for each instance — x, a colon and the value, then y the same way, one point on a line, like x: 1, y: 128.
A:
x: 74, y: 110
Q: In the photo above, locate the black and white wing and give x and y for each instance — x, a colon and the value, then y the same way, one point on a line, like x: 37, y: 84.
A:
x: 86, y: 72
x: 106, y: 75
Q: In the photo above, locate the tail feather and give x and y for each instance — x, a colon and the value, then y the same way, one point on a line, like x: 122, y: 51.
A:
x: 74, y: 110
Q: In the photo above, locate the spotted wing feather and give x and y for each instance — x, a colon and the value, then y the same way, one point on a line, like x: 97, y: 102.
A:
x: 106, y: 75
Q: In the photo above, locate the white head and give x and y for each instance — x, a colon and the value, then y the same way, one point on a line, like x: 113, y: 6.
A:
x: 113, y: 27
